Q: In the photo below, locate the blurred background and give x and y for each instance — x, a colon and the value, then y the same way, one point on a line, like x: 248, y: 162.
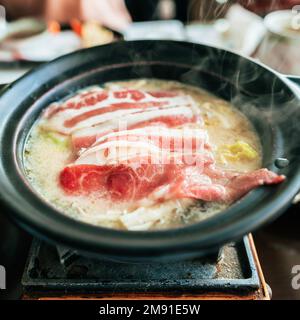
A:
x: 36, y: 31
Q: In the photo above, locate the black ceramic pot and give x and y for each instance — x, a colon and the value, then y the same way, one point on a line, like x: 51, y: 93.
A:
x: 270, y: 101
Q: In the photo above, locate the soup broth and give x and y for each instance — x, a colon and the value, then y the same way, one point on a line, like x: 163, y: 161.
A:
x: 235, y: 146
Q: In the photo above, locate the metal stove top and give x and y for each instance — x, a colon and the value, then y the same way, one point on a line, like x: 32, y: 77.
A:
x: 234, y: 272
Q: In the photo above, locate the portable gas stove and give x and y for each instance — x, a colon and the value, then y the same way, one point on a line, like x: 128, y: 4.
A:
x: 57, y: 273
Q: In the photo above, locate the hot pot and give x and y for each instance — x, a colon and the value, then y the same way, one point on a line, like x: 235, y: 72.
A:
x: 268, y: 99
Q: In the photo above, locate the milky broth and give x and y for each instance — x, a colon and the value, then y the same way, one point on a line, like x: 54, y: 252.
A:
x: 45, y: 157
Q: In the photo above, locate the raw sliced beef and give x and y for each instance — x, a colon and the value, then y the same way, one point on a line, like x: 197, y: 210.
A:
x: 227, y: 187
x: 90, y: 115
x: 115, y: 182
x: 125, y: 170
x: 188, y: 146
x: 173, y: 139
x: 160, y: 182
x: 84, y: 138
x: 133, y: 144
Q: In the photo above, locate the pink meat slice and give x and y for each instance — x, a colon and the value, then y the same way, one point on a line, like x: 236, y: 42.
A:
x: 85, y: 138
x: 150, y: 145
x: 83, y: 100
x: 189, y: 140
x: 122, y: 183
x: 97, y: 95
x: 92, y: 114
x: 213, y: 184
x: 126, y: 183
x: 92, y: 120
x: 69, y: 123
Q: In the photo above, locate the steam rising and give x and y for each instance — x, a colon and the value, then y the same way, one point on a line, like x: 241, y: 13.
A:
x: 206, y: 10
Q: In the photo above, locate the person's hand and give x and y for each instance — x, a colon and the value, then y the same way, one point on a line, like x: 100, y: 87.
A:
x: 110, y: 13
